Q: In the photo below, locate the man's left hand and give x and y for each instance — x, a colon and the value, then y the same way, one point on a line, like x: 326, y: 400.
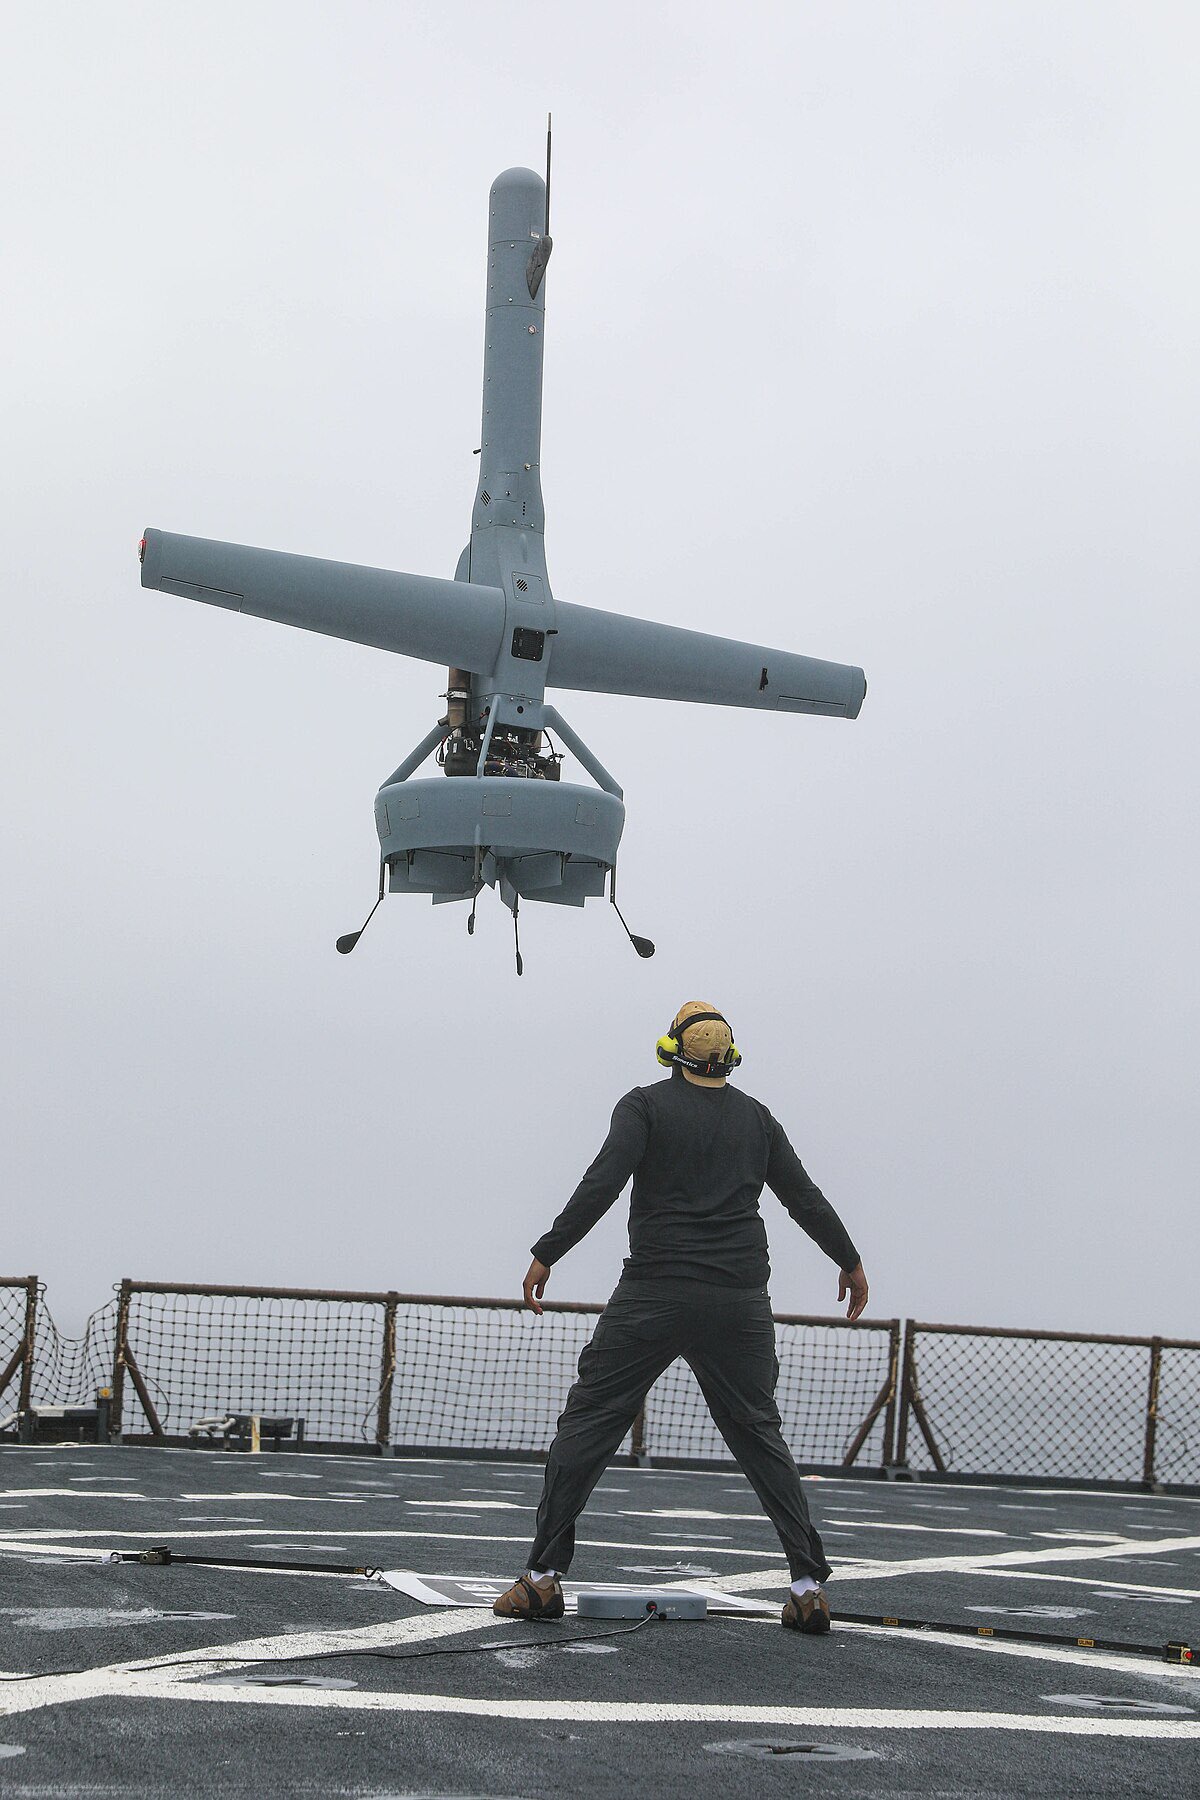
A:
x: 854, y: 1283
x: 535, y: 1283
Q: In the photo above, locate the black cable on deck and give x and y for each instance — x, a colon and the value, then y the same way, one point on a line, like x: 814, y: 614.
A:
x: 1180, y: 1653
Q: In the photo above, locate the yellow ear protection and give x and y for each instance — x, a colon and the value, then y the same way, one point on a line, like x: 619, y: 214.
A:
x: 670, y: 1050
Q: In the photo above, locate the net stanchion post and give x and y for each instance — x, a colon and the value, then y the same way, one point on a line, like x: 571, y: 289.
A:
x: 1152, y: 1411
x: 915, y: 1403
x: 387, y: 1375
x: 884, y: 1402
x: 907, y: 1359
x: 889, y: 1418
x: 29, y: 1341
x: 18, y: 1304
x: 118, y: 1369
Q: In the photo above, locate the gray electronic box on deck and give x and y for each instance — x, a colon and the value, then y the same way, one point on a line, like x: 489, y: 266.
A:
x: 669, y: 1603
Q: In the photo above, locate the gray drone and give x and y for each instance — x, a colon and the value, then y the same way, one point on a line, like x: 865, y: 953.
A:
x: 504, y: 819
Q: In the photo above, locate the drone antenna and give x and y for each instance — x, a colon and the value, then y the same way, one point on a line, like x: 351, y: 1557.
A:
x: 471, y: 919
x: 549, y: 121
x: 517, y: 934
x: 346, y: 944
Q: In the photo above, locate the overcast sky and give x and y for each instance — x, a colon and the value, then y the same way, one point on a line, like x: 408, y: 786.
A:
x: 871, y: 333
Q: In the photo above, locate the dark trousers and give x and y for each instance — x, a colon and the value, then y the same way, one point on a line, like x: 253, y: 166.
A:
x: 727, y: 1338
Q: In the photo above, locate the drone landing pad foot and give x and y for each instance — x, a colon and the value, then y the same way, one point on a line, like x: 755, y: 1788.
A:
x: 346, y: 943
x: 642, y: 945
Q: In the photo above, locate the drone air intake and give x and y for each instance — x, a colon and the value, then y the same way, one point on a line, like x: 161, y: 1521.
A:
x: 505, y: 819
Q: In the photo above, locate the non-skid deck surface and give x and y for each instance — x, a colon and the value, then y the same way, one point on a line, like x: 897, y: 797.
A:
x: 924, y: 1715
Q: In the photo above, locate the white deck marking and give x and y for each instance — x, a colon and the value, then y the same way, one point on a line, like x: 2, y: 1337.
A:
x: 1008, y: 1562
x: 54, y: 1690
x: 1016, y: 1560
x: 688, y: 1512
x: 260, y: 1499
x: 1097, y: 1581
x: 941, y: 1530
x: 71, y: 1493
x: 114, y: 1685
x: 1084, y: 1537
x: 474, y: 1505
x: 44, y: 1538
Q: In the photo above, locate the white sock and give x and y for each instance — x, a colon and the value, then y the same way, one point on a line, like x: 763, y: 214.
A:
x: 541, y: 1574
x: 804, y: 1584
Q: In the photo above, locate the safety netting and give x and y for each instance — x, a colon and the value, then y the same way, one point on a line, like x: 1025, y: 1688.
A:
x: 1001, y: 1404
x: 63, y: 1371
x: 831, y: 1377
x: 461, y: 1375
x: 215, y: 1355
x: 1177, y: 1434
x: 14, y: 1300
x: 484, y: 1377
x: 442, y: 1375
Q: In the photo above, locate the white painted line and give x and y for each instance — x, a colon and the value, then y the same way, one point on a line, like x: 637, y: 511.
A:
x: 1081, y: 1537
x: 55, y: 1690
x: 689, y: 1512
x: 1010, y: 1562
x: 36, y: 1540
x: 864, y: 1570
x: 976, y: 1531
x: 646, y: 1712
x: 473, y: 1505
x: 71, y: 1493
x: 259, y: 1498
x: 1094, y: 1581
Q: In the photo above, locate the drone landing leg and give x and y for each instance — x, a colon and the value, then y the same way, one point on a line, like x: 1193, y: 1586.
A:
x: 642, y: 945
x: 517, y: 935
x: 478, y: 879
x: 346, y: 944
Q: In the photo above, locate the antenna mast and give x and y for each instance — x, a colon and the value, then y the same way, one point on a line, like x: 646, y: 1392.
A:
x: 549, y: 122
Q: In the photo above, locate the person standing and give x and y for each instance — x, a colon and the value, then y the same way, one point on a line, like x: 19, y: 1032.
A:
x: 693, y: 1285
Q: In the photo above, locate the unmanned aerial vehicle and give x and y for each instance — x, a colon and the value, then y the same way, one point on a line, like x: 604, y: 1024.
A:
x: 499, y: 814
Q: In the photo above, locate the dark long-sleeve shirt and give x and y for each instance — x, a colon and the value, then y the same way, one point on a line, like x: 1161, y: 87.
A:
x: 700, y: 1158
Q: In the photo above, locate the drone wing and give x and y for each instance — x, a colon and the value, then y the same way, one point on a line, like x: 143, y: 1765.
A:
x: 603, y: 652
x: 453, y: 622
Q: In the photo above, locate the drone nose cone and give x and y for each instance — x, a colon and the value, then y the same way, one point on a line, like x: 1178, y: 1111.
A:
x: 517, y: 205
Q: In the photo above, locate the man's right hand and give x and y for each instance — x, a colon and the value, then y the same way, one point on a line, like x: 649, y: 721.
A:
x: 539, y: 1275
x: 850, y: 1281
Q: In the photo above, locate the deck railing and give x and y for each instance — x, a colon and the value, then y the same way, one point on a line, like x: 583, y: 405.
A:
x: 462, y: 1375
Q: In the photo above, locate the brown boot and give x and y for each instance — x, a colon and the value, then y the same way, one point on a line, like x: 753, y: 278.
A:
x: 528, y: 1599
x: 809, y: 1614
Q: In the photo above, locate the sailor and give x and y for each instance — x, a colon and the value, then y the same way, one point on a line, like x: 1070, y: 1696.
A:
x: 694, y: 1285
